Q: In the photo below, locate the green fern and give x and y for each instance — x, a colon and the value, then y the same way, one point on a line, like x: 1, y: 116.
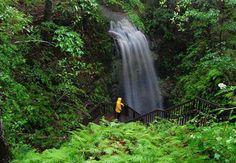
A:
x: 134, y: 142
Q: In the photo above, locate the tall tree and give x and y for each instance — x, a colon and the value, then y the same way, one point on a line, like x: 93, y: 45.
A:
x: 4, y: 153
x: 48, y: 10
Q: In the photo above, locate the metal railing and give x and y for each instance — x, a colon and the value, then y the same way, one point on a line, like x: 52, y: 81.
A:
x: 180, y: 113
x: 97, y: 111
x: 131, y: 113
x: 104, y: 108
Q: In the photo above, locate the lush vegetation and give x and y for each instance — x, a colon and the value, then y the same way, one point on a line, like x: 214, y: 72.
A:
x: 197, y: 38
x: 55, y: 66
x: 47, y: 68
x: 134, y: 142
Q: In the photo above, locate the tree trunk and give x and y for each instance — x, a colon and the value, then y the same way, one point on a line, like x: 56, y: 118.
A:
x: 4, y: 152
x: 221, y: 21
x: 48, y: 10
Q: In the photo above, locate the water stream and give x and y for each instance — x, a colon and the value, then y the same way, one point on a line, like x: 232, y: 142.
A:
x: 141, y: 87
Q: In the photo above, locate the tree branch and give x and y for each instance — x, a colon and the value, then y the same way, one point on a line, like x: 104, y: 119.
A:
x: 27, y: 41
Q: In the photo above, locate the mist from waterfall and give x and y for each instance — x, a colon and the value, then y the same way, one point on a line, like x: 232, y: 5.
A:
x: 141, y: 87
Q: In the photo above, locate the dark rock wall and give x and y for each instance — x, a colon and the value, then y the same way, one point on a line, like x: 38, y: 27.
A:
x: 117, y: 79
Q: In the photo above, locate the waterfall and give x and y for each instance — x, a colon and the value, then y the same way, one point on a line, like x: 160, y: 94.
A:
x: 141, y: 87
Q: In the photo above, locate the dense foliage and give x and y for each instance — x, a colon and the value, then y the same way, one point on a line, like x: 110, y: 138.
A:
x: 134, y: 142
x: 47, y: 68
x: 55, y: 66
x: 195, y: 41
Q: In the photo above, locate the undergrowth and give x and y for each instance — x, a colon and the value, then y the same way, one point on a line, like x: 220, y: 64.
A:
x: 161, y: 141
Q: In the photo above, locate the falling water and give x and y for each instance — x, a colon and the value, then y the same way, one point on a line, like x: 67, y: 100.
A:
x: 139, y: 77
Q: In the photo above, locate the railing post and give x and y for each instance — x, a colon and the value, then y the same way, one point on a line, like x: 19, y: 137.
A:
x: 182, y: 112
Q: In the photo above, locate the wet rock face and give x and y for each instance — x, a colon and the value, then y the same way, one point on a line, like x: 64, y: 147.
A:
x: 112, y: 13
x: 117, y: 81
x: 4, y: 152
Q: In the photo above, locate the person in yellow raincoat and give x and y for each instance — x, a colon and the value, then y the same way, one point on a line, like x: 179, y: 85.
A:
x: 119, y: 106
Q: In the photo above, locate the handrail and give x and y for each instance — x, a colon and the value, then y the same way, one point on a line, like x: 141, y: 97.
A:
x: 127, y: 106
x: 132, y: 114
x: 100, y: 110
x: 165, y: 110
x: 209, y: 102
x: 144, y: 115
x: 176, y: 106
x: 96, y: 111
x: 181, y: 112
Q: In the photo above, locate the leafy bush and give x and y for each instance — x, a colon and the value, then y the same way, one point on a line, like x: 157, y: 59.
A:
x: 211, y: 70
x: 134, y: 142
x: 68, y: 41
x: 48, y: 73
x: 227, y: 95
x: 201, y: 53
x: 73, y: 12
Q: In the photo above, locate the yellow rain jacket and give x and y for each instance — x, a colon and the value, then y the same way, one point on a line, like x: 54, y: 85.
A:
x: 118, y: 105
